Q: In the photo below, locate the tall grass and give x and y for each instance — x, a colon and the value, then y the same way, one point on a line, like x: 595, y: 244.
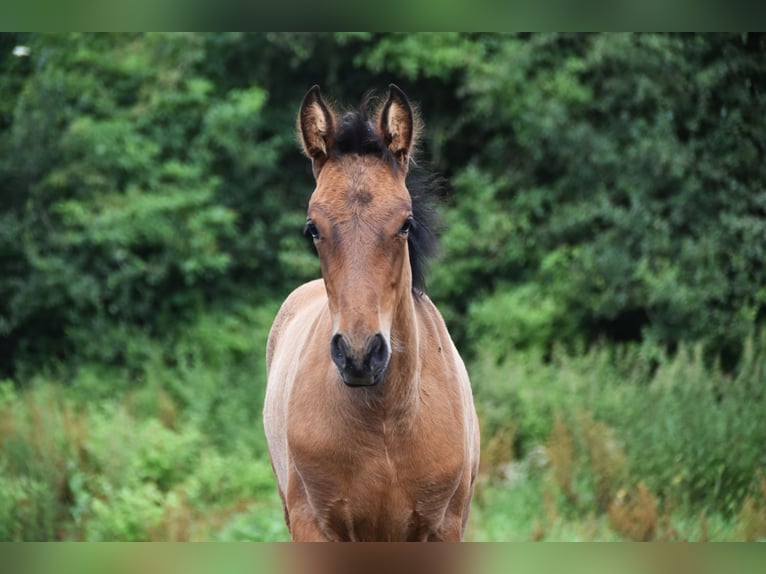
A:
x: 614, y: 443
x: 634, y: 442
x: 167, y: 448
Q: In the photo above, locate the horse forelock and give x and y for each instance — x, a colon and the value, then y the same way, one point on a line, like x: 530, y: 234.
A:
x: 356, y: 134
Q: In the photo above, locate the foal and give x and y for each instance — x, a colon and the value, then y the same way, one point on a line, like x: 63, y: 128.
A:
x: 369, y: 415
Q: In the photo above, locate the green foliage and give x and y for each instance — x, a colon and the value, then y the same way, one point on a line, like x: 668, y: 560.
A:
x: 263, y: 522
x: 129, y: 195
x: 99, y: 471
x: 604, y: 154
x: 694, y: 435
x: 615, y: 175
x: 171, y: 448
x: 227, y: 478
x: 219, y: 374
x: 707, y: 443
x: 26, y: 506
x: 520, y: 318
x: 605, y: 188
x: 129, y: 515
x: 416, y: 56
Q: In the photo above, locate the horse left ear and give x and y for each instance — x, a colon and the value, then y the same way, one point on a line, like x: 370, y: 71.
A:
x: 397, y: 126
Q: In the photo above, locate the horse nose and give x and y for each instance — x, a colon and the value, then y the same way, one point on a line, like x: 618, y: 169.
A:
x: 360, y: 369
x: 376, y: 353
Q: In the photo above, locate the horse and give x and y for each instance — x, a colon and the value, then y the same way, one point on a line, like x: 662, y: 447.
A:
x: 368, y: 414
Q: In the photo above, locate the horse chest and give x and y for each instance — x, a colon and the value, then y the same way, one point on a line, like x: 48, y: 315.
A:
x: 381, y: 486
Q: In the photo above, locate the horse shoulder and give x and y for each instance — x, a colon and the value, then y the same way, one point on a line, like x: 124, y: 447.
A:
x: 287, y: 336
x: 298, y: 302
x: 438, y: 351
x: 445, y: 372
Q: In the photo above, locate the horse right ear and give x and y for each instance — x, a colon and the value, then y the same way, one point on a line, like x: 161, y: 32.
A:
x: 316, y: 125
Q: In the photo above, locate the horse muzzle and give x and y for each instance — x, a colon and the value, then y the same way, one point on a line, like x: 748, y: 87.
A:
x: 360, y: 369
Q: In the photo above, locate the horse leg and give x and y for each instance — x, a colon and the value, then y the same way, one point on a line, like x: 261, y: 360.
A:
x: 285, y: 512
x: 302, y: 523
x: 456, y: 517
x: 450, y: 531
x: 304, y: 527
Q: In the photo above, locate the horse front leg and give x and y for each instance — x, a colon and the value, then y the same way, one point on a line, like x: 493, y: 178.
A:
x: 304, y: 529
x: 300, y: 516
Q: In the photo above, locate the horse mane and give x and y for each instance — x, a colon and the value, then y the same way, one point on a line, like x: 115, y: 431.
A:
x: 423, y: 240
x: 356, y: 134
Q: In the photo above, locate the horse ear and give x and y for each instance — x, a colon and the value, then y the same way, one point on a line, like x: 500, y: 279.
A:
x: 397, y: 125
x: 316, y: 126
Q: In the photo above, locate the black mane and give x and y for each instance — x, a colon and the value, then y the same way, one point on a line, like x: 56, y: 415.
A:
x: 423, y: 240
x: 356, y: 134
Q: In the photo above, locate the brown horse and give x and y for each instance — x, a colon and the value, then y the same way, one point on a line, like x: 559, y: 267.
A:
x: 369, y: 415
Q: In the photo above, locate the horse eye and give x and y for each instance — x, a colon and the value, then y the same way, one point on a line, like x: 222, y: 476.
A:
x: 405, y: 229
x: 311, y: 230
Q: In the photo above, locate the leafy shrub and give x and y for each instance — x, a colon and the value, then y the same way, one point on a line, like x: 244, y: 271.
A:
x: 27, y: 508
x: 521, y: 318
x: 692, y: 434
x: 225, y: 479
x: 128, y: 514
x: 117, y: 469
x: 259, y: 523
x: 42, y: 437
x: 218, y: 373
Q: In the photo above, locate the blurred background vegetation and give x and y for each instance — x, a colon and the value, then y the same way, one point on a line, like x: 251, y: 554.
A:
x: 602, y: 272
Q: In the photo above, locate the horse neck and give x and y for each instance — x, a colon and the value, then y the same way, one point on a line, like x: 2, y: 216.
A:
x: 401, y: 386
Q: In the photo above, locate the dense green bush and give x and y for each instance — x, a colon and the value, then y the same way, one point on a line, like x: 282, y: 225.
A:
x: 614, y: 177
x: 619, y: 175
x: 135, y: 198
x: 531, y: 320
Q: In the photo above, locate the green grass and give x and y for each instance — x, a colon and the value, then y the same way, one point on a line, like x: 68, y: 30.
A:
x: 612, y: 444
x: 520, y: 512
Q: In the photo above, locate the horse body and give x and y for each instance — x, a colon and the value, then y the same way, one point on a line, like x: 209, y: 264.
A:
x: 369, y: 414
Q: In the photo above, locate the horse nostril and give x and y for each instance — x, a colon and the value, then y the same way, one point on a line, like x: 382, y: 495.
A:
x: 339, y: 350
x: 376, y: 353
